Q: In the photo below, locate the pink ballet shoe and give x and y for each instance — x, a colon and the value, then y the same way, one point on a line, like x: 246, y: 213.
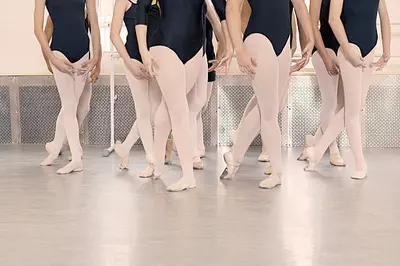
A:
x: 263, y: 158
x: 198, y: 165
x: 71, y: 167
x: 268, y: 170
x: 123, y: 155
x: 312, y: 160
x: 182, y: 184
x: 337, y: 160
x: 272, y: 181
x: 230, y: 170
x: 303, y: 155
x: 147, y: 172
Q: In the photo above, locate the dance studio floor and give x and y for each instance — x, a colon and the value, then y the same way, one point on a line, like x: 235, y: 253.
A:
x: 107, y: 217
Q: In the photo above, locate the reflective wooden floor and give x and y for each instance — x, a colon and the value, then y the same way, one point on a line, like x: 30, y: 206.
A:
x: 107, y: 217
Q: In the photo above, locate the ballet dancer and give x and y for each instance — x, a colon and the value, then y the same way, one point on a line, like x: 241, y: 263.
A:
x: 326, y: 67
x: 251, y: 116
x: 145, y: 91
x: 83, y: 105
x: 245, y: 14
x: 265, y: 56
x: 69, y: 60
x: 176, y: 60
x: 354, y: 26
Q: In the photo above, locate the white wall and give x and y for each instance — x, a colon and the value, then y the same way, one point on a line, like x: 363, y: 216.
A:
x: 20, y: 53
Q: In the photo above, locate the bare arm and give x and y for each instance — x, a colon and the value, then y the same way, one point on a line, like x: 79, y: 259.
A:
x: 38, y: 28
x: 294, y: 34
x: 116, y: 26
x: 217, y: 26
x: 315, y: 10
x: 94, y: 29
x: 233, y: 16
x: 385, y: 28
x: 336, y: 24
x: 304, y: 20
x: 48, y: 30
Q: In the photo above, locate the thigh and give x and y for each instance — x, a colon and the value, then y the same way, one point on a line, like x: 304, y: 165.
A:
x: 266, y: 79
x: 352, y: 81
x: 367, y: 76
x: 139, y: 89
x: 327, y: 84
x: 284, y: 73
x: 64, y: 81
x: 170, y: 76
x: 194, y: 68
x: 80, y: 81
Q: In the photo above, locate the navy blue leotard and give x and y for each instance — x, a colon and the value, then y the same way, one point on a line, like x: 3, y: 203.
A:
x: 131, y: 44
x: 270, y: 18
x: 359, y: 20
x: 181, y: 26
x: 327, y: 35
x: 70, y: 35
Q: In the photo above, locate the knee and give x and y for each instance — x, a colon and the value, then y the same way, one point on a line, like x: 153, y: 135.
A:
x: 352, y: 116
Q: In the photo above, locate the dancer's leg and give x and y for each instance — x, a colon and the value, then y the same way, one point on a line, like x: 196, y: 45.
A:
x: 173, y: 78
x: 328, y: 86
x: 70, y: 89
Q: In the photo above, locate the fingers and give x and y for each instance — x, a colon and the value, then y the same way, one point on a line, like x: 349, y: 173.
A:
x: 253, y: 62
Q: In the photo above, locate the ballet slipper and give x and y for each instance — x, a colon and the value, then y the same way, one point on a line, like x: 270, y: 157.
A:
x: 74, y: 166
x: 198, y: 164
x: 168, y: 151
x: 268, y: 170
x: 147, y: 172
x: 313, y: 161
x: 53, y: 154
x: 182, y: 184
x: 123, y: 155
x: 303, y: 155
x: 230, y: 169
x: 264, y: 158
x: 337, y: 160
x: 272, y: 181
x: 360, y: 174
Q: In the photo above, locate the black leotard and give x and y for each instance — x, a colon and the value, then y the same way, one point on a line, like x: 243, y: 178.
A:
x: 359, y: 19
x: 70, y: 35
x: 210, y: 50
x: 270, y: 18
x: 131, y: 43
x: 181, y: 26
x: 327, y: 35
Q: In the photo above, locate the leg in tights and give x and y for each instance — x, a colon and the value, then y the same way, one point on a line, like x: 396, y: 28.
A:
x: 355, y: 86
x: 200, y: 129
x: 174, y: 78
x: 328, y: 86
x: 59, y: 136
x: 271, y: 76
x: 70, y: 89
x: 197, y: 98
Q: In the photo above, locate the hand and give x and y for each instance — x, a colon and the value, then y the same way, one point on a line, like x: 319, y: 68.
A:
x: 138, y: 70
x: 149, y: 62
x: 49, y: 66
x: 246, y: 63
x: 94, y: 75
x: 87, y: 66
x: 381, y: 63
x: 63, y: 65
x: 225, y: 62
x: 305, y: 58
x: 331, y: 66
x: 354, y: 57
